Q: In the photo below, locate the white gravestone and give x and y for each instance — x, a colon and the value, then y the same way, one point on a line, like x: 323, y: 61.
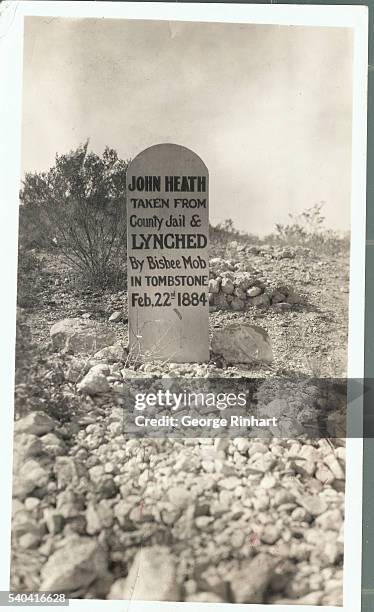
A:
x: 167, y: 255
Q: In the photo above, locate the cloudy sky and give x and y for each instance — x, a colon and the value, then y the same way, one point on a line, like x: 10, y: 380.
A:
x: 268, y: 108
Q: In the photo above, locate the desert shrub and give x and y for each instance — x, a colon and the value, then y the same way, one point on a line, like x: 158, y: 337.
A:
x: 222, y: 234
x: 307, y: 229
x: 304, y: 224
x: 29, y: 277
x: 226, y: 228
x: 79, y: 208
x: 39, y: 378
x: 31, y: 233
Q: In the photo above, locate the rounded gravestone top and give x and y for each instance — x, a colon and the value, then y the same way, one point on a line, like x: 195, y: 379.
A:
x: 167, y: 246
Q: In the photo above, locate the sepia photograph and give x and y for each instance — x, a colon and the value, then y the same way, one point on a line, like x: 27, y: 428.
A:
x: 184, y: 303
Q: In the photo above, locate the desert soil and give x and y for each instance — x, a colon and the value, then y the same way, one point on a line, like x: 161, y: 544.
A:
x: 246, y: 521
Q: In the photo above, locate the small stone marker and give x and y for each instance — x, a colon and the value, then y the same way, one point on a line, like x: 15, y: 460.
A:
x: 167, y: 255
x: 242, y: 343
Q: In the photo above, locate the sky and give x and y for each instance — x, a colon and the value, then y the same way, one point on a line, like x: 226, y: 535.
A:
x: 268, y: 108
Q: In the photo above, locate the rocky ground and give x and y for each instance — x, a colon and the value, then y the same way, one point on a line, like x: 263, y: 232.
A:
x: 98, y: 515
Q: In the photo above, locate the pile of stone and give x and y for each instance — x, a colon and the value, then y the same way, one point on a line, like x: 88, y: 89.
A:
x: 246, y: 521
x: 99, y: 515
x: 98, y: 362
x: 233, y: 286
x: 52, y: 549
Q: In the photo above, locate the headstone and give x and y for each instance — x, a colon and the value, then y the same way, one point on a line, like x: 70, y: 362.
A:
x: 167, y: 255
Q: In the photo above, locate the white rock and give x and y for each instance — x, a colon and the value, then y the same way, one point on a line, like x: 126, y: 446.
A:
x: 237, y: 539
x: 214, y: 285
x: 300, y: 515
x: 37, y: 423
x: 25, y: 446
x: 81, y: 335
x: 180, y: 496
x: 242, y: 445
x: 66, y: 472
x: 313, y: 504
x: 282, y: 307
x: 257, y: 447
x: 190, y: 587
x: 263, y: 463
x: 332, y: 519
x: 31, y: 503
x: 23, y: 522
x: 324, y: 475
x: 54, y: 520
x: 268, y: 482
x: 151, y: 577
x: 111, y: 354
x: 340, y: 453
x: 29, y: 541
x: 334, y: 466
x: 312, y: 599
x: 332, y: 552
x: 22, y: 488
x: 250, y: 582
x: 270, y: 534
x: 229, y: 483
x: 309, y: 452
x: 75, y: 565
x: 52, y: 445
x: 128, y: 373
x: 202, y: 522
x: 242, y: 343
x: 99, y: 516
x: 93, y: 383
x: 116, y: 316
x: 101, y: 368
x: 33, y: 472
x: 254, y: 291
x: 204, y: 597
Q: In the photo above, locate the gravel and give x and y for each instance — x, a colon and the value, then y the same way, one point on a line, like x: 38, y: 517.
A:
x: 261, y: 521
x: 238, y: 520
